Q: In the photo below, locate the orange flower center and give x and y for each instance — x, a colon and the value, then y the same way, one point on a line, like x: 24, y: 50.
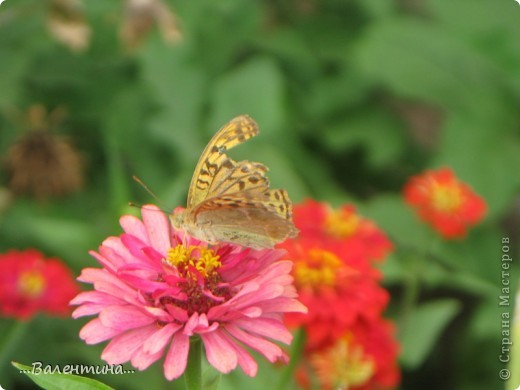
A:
x: 319, y: 269
x: 343, y: 366
x: 200, y: 283
x: 341, y: 223
x: 446, y: 198
x: 31, y: 284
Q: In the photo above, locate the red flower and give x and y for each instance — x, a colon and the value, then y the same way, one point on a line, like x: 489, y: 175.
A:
x: 362, y: 359
x: 337, y: 292
x: 447, y: 204
x: 348, y: 343
x: 333, y: 272
x: 343, y: 227
x: 30, y: 283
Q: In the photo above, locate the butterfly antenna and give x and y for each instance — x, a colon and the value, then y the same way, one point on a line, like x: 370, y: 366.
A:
x: 140, y: 182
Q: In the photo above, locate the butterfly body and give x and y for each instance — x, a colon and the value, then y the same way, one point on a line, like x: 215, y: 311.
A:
x: 230, y: 201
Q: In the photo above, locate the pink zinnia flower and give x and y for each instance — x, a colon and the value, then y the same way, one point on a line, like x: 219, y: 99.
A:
x: 158, y: 288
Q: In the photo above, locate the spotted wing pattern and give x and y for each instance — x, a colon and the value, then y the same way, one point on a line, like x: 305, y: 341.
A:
x: 214, y: 165
x: 230, y: 201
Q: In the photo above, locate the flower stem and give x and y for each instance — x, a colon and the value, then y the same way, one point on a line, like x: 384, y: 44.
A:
x: 193, y: 373
x: 411, y: 293
x: 11, y: 341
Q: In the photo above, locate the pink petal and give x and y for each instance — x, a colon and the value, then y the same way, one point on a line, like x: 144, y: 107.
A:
x: 219, y: 351
x: 283, y: 305
x: 115, y: 244
x: 177, y: 357
x: 87, y: 309
x: 104, y: 261
x: 124, y: 317
x: 157, y: 226
x: 158, y: 313
x: 94, y: 332
x: 177, y: 313
x: 135, y: 247
x: 280, y: 269
x: 159, y: 339
x: 142, y: 360
x: 122, y: 347
x: 134, y: 226
x: 108, y: 283
x: 264, y: 294
x: 94, y: 297
x: 199, y: 324
x: 154, y: 256
x: 252, y: 312
x: 89, y: 275
x: 110, y: 258
x: 266, y: 327
x: 270, y: 350
x: 139, y: 283
x: 104, y: 278
x: 246, y: 361
x: 191, y: 324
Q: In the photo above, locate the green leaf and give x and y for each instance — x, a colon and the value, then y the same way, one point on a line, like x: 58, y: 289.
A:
x: 61, y: 381
x: 399, y: 221
x: 331, y: 95
x: 491, y: 29
x: 423, y: 329
x: 477, y: 131
x: 255, y: 88
x: 420, y: 60
x: 211, y: 379
x: 376, y: 130
x: 179, y: 86
x: 377, y: 8
x: 233, y: 23
x: 293, y: 50
x: 63, y: 236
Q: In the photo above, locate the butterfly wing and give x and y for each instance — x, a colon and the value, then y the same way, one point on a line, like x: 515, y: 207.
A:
x: 231, y: 201
x: 214, y: 165
x: 254, y: 219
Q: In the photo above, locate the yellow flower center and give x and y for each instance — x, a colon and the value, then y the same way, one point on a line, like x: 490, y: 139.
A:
x: 446, y: 198
x: 186, y: 259
x: 31, y: 284
x: 343, y: 366
x: 318, y: 269
x: 341, y: 223
x: 201, y: 285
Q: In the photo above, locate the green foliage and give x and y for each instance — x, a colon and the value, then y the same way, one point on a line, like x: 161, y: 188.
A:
x: 324, y: 80
x: 427, y: 322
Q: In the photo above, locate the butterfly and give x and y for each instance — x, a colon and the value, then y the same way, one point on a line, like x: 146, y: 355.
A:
x: 230, y: 201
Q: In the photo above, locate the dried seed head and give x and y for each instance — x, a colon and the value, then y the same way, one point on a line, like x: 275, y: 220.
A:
x: 41, y: 163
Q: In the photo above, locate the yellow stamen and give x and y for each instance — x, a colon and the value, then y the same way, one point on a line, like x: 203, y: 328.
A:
x: 204, y: 260
x: 318, y: 270
x: 341, y: 223
x: 343, y: 366
x: 446, y: 198
x: 31, y: 284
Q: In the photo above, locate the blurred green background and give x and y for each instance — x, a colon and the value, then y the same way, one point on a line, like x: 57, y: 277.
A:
x: 352, y: 98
